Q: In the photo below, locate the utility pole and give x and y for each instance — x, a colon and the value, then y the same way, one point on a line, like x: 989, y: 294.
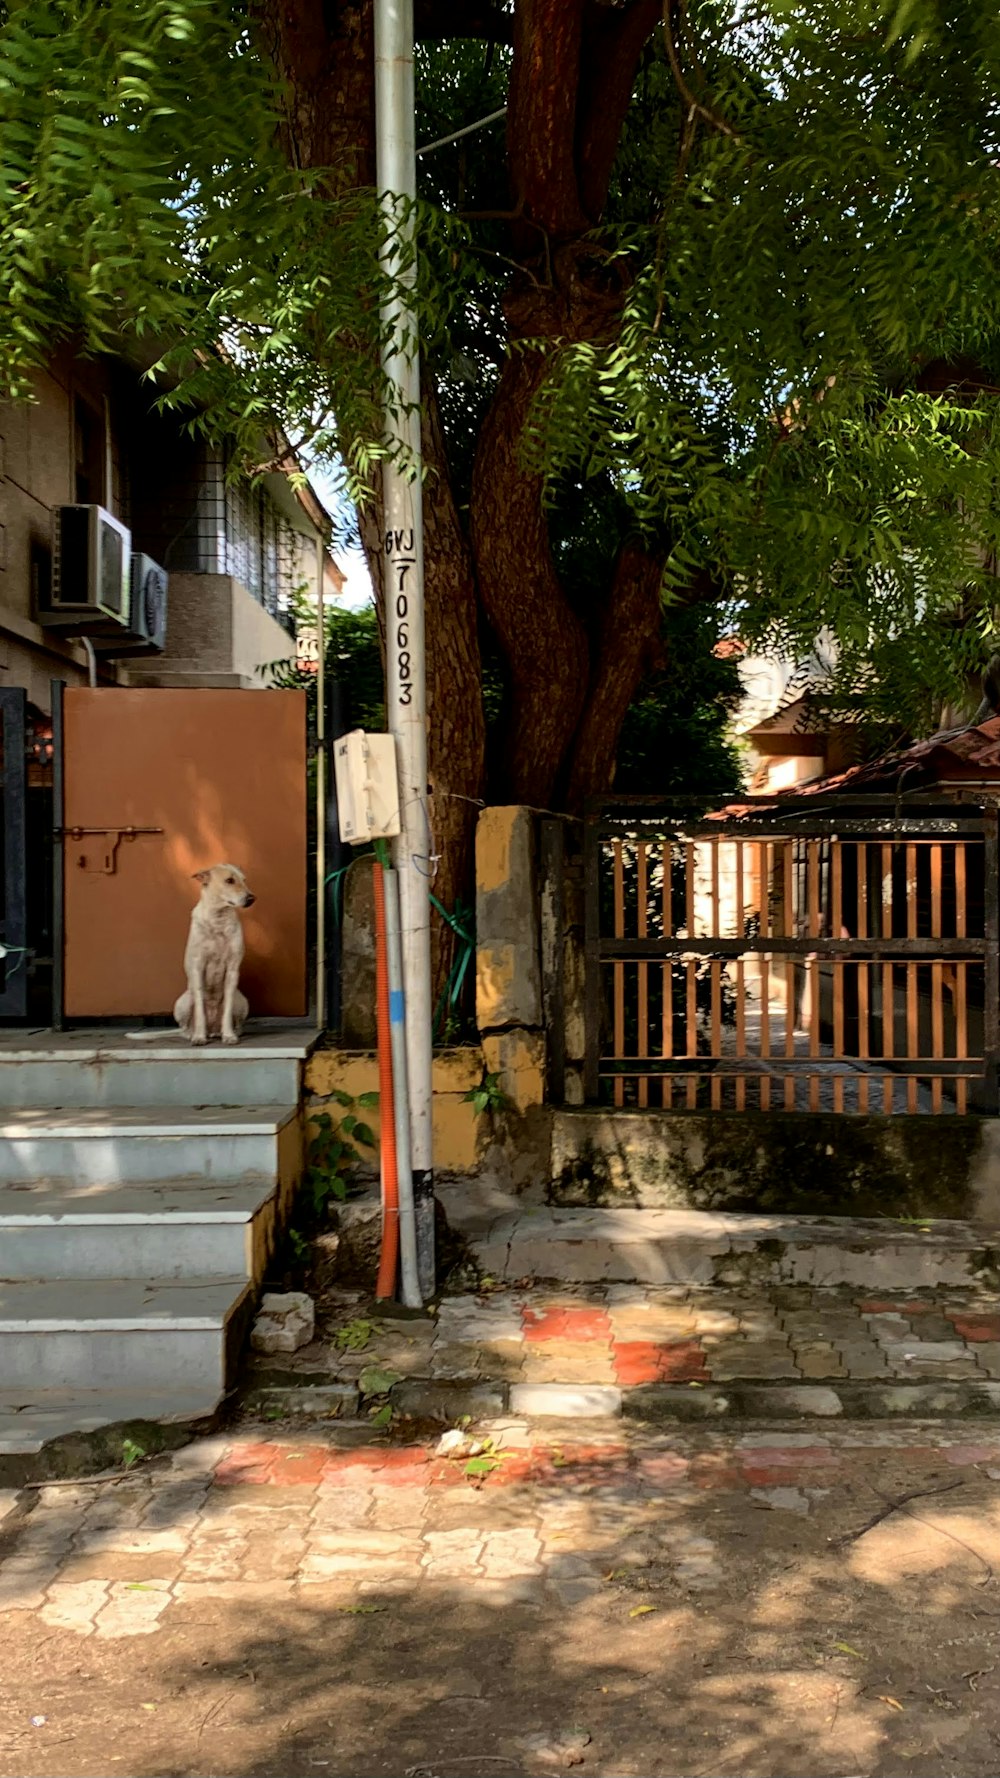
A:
x: 403, y: 580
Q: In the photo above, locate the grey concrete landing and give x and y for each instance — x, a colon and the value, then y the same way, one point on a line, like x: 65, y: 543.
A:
x: 31, y: 1418
x: 513, y: 1239
x: 152, y: 1067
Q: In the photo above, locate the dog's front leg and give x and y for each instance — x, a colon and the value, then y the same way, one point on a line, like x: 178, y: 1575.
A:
x: 229, y: 1032
x: 199, y: 1023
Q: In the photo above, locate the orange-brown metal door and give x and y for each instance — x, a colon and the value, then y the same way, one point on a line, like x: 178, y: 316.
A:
x: 202, y: 778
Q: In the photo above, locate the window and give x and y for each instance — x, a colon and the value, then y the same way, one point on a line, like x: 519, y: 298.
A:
x: 88, y: 444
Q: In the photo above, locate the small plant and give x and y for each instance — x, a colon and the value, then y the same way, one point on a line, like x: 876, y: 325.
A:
x: 355, y: 1335
x: 299, y: 1244
x: 487, y: 1096
x: 374, y: 1385
x: 333, y: 1144
x: 132, y: 1452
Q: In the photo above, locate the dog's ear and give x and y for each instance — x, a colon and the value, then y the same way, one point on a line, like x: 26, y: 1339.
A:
x: 200, y: 876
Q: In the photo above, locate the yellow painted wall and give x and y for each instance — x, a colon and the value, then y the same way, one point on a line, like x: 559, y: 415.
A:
x: 459, y: 1134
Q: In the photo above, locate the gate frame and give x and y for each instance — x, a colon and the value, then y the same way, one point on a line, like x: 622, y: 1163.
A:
x: 58, y: 686
x: 13, y: 716
x: 882, y: 825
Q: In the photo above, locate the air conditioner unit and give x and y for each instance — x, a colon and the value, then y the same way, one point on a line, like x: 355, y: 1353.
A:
x: 146, y: 631
x: 89, y: 591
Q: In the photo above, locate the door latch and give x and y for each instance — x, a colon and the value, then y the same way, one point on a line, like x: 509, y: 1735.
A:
x: 103, y: 859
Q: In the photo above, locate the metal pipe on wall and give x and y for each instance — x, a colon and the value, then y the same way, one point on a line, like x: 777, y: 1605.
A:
x: 409, y: 1268
x: 320, y: 788
x: 403, y: 579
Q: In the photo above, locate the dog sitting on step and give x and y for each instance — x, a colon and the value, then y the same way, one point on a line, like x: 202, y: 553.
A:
x: 212, y: 1005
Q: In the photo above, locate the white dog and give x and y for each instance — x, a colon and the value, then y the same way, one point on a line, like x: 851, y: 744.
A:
x: 213, y: 1005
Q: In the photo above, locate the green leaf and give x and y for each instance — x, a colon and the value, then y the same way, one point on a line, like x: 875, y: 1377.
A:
x: 484, y: 1465
x: 376, y: 1380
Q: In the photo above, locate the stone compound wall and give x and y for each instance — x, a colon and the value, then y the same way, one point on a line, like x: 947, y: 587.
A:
x: 777, y: 1163
x: 511, y: 1012
x: 459, y: 1136
x: 530, y: 1016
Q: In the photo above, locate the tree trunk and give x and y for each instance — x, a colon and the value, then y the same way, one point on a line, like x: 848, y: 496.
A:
x: 572, y: 75
x: 542, y: 638
x: 628, y: 646
x: 573, y: 70
x: 456, y: 738
x: 324, y: 57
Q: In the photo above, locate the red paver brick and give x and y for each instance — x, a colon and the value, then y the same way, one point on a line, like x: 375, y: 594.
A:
x: 587, y: 1324
x: 445, y: 1474
x: 771, y: 1476
x: 302, y: 1469
x: 544, y: 1324
x: 251, y: 1463
x: 963, y: 1454
x: 682, y: 1363
x: 886, y: 1306
x: 636, y: 1361
x: 974, y: 1327
x: 405, y: 1457
x: 515, y: 1467
x: 361, y: 1457
x: 665, y: 1466
x: 790, y: 1457
x: 608, y: 1453
x: 229, y: 1475
x: 715, y: 1470
x: 654, y: 1361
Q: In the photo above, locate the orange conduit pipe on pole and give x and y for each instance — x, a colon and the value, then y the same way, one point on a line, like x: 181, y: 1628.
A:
x: 389, y: 1256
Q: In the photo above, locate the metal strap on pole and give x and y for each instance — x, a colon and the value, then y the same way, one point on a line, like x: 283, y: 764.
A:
x: 403, y: 579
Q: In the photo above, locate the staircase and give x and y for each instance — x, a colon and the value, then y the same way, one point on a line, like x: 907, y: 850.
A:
x: 141, y: 1185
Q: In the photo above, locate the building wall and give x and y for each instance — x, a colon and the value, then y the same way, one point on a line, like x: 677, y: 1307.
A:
x: 232, y: 551
x: 217, y: 633
x: 37, y: 472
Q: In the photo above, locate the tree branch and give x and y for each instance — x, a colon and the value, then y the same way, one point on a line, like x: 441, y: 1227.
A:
x: 541, y: 115
x: 694, y: 104
x: 613, y: 42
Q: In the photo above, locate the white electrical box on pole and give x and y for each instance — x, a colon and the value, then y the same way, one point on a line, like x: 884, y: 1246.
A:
x: 403, y: 581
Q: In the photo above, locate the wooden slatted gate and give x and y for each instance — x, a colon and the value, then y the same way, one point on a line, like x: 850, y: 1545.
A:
x: 835, y: 962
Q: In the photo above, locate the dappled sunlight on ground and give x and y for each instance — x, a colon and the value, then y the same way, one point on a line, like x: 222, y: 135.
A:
x: 606, y: 1598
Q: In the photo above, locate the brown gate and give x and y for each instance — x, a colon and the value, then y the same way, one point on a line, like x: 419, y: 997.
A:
x: 157, y: 784
x: 833, y: 959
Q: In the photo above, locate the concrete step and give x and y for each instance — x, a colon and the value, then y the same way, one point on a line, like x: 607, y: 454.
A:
x: 514, y: 1238
x: 150, y: 1068
x: 149, y: 1144
x: 33, y: 1418
x: 169, y: 1230
x: 132, y: 1335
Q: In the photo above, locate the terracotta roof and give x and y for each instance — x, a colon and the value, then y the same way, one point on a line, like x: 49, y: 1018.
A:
x: 955, y: 756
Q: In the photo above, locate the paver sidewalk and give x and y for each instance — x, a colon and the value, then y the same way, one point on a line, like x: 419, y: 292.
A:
x: 627, y: 1347
x: 619, y: 1602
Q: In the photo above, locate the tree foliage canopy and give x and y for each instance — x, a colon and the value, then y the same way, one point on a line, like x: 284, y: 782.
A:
x: 780, y: 380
